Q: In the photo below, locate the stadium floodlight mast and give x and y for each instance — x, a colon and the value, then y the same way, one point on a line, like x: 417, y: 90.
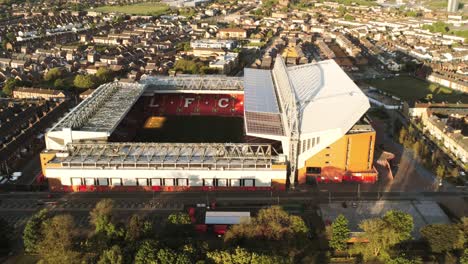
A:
x: 290, y: 113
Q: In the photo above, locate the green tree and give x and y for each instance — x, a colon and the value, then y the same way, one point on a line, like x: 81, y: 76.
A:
x: 440, y: 171
x: 403, y: 135
x: 147, y: 252
x: 464, y: 257
x: 84, y: 81
x: 56, y: 245
x: 401, y: 223
x: 443, y: 238
x: 138, y: 228
x: 339, y: 233
x: 179, y: 219
x: 10, y: 85
x: 60, y: 84
x: 379, y: 237
x: 111, y: 256
x: 104, y: 75
x: 32, y: 231
x: 242, y: 256
x: 417, y: 149
x: 102, y: 217
x: 53, y: 74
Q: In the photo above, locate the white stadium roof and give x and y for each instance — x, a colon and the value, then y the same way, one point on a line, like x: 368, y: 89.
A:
x: 326, y: 97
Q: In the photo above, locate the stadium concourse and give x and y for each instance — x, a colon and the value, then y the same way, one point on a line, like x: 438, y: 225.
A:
x: 288, y: 125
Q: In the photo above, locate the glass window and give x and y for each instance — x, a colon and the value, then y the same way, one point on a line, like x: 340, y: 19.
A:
x: 168, y: 182
x: 235, y: 182
x: 249, y: 182
x: 318, y: 140
x: 103, y: 182
x: 76, y: 181
x: 142, y: 182
x: 182, y: 182
x: 89, y: 181
x: 155, y: 182
x: 116, y: 182
x: 313, y: 142
x: 129, y: 182
x: 207, y: 182
x: 221, y: 182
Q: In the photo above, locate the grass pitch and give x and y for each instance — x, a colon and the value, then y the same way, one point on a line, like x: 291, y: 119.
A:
x: 409, y: 88
x: 143, y: 9
x: 192, y: 129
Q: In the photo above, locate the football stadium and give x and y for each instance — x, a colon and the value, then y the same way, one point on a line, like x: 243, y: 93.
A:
x: 265, y: 131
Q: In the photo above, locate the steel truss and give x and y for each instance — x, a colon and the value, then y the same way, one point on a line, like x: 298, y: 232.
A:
x: 163, y: 155
x: 103, y: 95
x: 290, y: 112
x: 195, y: 82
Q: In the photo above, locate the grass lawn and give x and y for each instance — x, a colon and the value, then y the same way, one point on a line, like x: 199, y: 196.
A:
x: 145, y: 9
x: 409, y: 88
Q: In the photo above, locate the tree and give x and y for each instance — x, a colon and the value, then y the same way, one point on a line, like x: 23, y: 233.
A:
x: 401, y: 223
x: 111, y: 256
x: 440, y: 171
x: 146, y: 253
x: 443, y: 238
x: 56, y: 245
x: 59, y: 84
x: 464, y: 257
x: 53, y: 74
x: 5, y: 237
x: 417, y: 149
x: 137, y: 229
x: 242, y: 256
x: 32, y: 231
x: 378, y: 237
x: 10, y: 85
x: 84, y: 81
x: 340, y: 233
x: 104, y: 75
x: 271, y: 223
x: 102, y: 217
x: 179, y: 219
x: 403, y: 135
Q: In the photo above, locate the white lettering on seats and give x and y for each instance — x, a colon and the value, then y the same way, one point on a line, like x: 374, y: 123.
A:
x: 220, y: 102
x: 188, y: 101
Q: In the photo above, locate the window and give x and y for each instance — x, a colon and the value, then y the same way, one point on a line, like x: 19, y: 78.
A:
x: 327, y: 162
x: 103, y: 181
x: 168, y: 182
x: 304, y: 145
x: 207, y: 182
x: 129, y: 182
x: 308, y: 144
x: 221, y: 182
x: 116, y: 182
x: 248, y: 182
x: 76, y: 181
x: 142, y: 182
x: 313, y: 170
x: 313, y: 142
x: 155, y: 182
x: 89, y: 181
x: 235, y: 182
x: 182, y: 182
x: 327, y: 155
x: 318, y: 140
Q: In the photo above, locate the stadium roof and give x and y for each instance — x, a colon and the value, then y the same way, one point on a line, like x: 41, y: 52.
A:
x: 261, y: 109
x: 102, y: 111
x: 143, y: 155
x: 194, y: 82
x: 326, y: 97
x: 259, y: 91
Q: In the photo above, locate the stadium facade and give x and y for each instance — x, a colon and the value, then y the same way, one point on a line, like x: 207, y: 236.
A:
x: 314, y: 113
